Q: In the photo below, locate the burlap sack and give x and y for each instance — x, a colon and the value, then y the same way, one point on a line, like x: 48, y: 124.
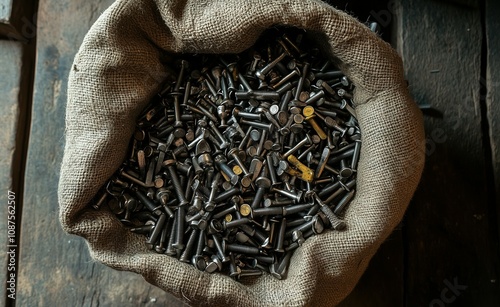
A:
x: 117, y: 71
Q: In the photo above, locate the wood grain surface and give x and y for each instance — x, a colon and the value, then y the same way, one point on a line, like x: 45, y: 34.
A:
x: 451, y: 248
x: 55, y: 268
x: 491, y: 84
x: 10, y: 84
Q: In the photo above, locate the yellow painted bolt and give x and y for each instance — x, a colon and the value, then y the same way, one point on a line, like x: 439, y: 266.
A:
x: 307, y: 173
x: 226, y: 177
x: 309, y: 115
x: 293, y: 172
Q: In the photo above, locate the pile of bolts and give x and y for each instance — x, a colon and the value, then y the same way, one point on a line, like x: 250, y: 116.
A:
x: 240, y: 158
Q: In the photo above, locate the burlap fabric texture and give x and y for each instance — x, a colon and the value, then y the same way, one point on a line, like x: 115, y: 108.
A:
x: 119, y: 68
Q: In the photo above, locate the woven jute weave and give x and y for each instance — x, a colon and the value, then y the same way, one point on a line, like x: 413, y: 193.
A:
x: 119, y: 67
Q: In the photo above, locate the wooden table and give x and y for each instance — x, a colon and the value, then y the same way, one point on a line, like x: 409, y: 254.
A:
x: 444, y: 253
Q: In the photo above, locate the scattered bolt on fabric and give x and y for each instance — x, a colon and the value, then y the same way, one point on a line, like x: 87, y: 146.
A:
x: 241, y: 158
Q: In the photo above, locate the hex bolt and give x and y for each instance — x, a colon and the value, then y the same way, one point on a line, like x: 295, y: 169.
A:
x: 171, y: 250
x: 299, y: 145
x: 285, y: 79
x: 334, y: 186
x: 355, y: 155
x: 234, y: 271
x: 247, y: 115
x: 261, y: 143
x: 249, y: 273
x: 243, y: 249
x: 163, y: 195
x: 294, y: 196
x: 228, y: 210
x: 143, y: 229
x: 256, y: 166
x: 226, y: 195
x: 315, y: 97
x: 322, y: 163
x: 261, y: 74
x: 224, y: 143
x: 179, y: 131
x: 267, y: 211
x: 236, y: 223
x: 234, y: 154
x: 160, y: 247
x: 259, y: 125
x: 272, y: 170
x: 315, y: 221
x: 210, y: 204
x: 220, y: 249
x: 345, y: 171
x: 263, y: 184
x: 146, y: 201
x: 179, y: 232
x: 186, y: 254
x: 300, y: 84
x: 308, y: 112
x: 157, y: 230
x: 170, y: 164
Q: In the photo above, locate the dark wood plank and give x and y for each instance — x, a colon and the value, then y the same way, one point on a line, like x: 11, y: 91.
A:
x: 382, y: 283
x: 55, y: 268
x: 449, y: 255
x: 492, y: 84
x: 17, y: 19
x: 10, y: 86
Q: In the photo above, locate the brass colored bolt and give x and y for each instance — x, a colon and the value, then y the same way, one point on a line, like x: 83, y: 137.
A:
x: 309, y: 115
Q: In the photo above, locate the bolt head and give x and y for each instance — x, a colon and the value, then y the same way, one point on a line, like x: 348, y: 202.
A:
x: 209, y: 206
x: 274, y: 109
x: 199, y: 224
x: 203, y: 147
x: 318, y: 226
x: 263, y: 182
x: 308, y: 111
x: 255, y: 135
x: 251, y: 151
x: 233, y: 151
x: 268, y: 202
x: 179, y: 132
x: 246, y: 181
x: 169, y: 162
x: 205, y: 160
x: 330, y: 122
x: 315, y: 139
x: 282, y: 117
x: 299, y: 196
x: 234, y: 179
x: 199, y: 262
x: 220, y: 158
x: 245, y: 210
x: 211, y: 267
